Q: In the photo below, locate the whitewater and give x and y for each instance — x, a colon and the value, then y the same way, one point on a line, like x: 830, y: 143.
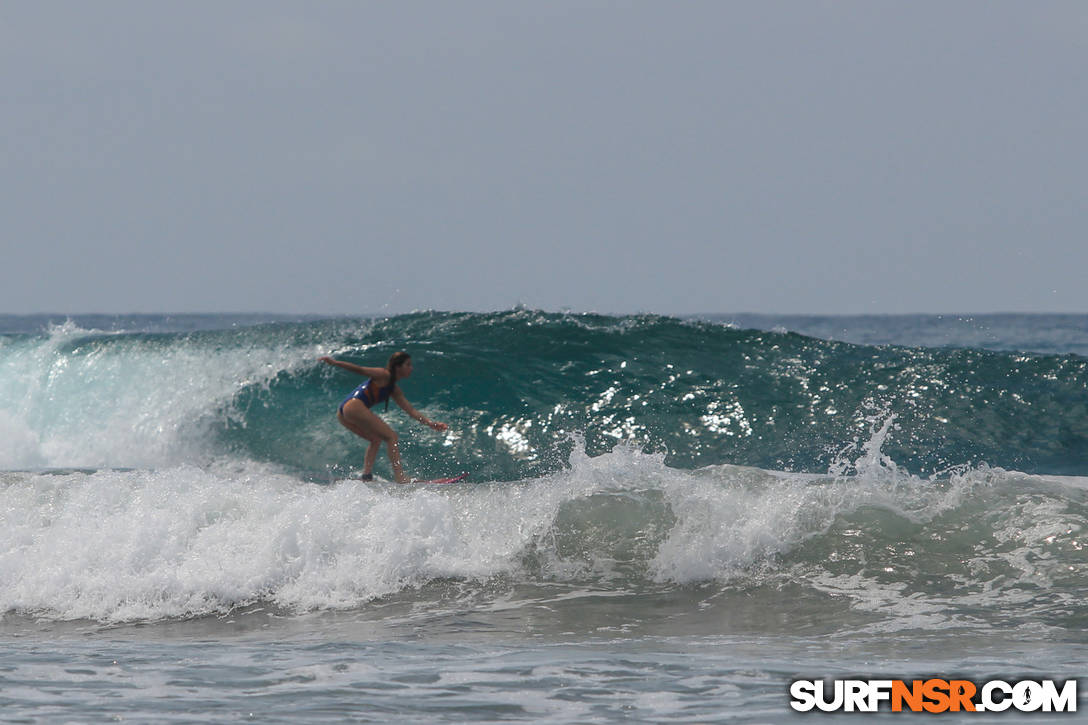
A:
x: 667, y: 520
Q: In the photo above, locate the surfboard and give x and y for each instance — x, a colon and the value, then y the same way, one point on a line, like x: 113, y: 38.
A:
x: 378, y: 479
x: 453, y: 479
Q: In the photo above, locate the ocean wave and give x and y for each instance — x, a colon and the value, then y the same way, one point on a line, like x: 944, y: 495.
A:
x: 515, y: 385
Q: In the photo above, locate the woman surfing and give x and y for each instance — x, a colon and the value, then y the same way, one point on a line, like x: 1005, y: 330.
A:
x: 356, y: 415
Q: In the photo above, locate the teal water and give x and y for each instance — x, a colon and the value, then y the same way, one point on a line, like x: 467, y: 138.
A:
x: 516, y: 386
x: 668, y: 519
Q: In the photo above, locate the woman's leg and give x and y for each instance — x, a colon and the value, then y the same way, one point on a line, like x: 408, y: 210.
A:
x: 371, y: 456
x: 394, y: 458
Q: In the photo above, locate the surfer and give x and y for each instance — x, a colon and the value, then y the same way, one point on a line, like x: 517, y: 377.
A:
x: 356, y: 415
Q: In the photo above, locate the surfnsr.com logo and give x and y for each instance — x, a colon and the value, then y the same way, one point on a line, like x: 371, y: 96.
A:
x: 933, y: 695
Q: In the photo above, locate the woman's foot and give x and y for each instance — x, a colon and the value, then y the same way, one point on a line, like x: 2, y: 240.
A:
x: 367, y: 477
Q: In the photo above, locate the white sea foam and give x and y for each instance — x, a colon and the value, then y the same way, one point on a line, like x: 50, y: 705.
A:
x: 123, y: 545
x: 180, y: 541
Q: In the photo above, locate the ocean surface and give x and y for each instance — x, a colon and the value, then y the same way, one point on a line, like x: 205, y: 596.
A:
x: 667, y: 520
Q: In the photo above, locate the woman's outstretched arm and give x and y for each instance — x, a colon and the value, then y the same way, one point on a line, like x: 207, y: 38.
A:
x: 402, y: 401
x: 378, y: 373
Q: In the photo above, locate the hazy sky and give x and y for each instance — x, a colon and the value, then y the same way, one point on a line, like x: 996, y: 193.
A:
x: 669, y: 156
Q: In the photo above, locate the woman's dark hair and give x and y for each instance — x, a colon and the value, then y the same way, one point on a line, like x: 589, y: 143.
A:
x: 395, y: 361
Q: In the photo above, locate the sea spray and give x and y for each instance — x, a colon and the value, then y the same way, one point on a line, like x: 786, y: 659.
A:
x: 75, y: 397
